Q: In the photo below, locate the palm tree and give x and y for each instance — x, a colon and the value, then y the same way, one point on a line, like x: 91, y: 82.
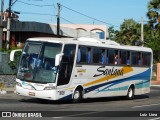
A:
x: 129, y: 32
x: 153, y: 13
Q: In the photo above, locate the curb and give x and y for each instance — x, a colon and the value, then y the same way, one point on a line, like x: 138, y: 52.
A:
x: 7, y: 92
x: 3, y: 92
x: 155, y: 85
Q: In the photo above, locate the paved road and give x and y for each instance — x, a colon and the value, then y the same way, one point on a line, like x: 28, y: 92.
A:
x: 117, y: 107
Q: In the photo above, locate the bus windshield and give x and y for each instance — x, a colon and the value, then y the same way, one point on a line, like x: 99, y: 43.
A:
x: 37, y: 63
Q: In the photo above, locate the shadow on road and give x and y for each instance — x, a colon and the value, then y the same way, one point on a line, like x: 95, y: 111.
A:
x: 90, y: 100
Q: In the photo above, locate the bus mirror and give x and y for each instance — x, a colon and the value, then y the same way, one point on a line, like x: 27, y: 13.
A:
x: 13, y: 54
x: 58, y: 59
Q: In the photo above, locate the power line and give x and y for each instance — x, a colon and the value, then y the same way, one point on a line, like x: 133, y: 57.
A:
x: 89, y: 16
x: 69, y: 21
x: 36, y: 13
x: 54, y: 5
x: 34, y: 4
x: 14, y: 2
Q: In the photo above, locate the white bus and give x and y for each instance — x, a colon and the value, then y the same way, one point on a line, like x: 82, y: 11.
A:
x: 74, y: 69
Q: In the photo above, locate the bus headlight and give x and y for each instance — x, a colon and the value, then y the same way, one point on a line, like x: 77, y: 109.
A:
x: 50, y: 88
x: 19, y: 84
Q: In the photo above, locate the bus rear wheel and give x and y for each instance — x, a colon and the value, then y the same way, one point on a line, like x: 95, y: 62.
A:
x: 77, y: 97
x: 130, y: 94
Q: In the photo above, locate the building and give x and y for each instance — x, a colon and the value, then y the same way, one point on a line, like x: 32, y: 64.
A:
x: 102, y: 30
x: 6, y: 14
x: 21, y: 31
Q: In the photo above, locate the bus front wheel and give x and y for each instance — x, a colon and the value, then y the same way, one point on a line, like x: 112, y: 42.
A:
x: 130, y: 94
x: 77, y: 97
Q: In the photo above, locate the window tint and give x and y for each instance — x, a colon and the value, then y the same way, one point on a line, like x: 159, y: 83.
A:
x: 146, y: 58
x: 134, y: 59
x: 128, y: 58
x: 139, y: 61
x: 123, y: 57
x: 116, y: 57
x: 96, y: 55
x: 103, y: 56
x: 106, y: 56
x: 111, y: 56
x: 89, y: 58
x: 83, y: 55
x: 66, y: 66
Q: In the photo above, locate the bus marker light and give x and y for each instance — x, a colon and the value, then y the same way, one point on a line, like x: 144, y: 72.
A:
x: 31, y: 93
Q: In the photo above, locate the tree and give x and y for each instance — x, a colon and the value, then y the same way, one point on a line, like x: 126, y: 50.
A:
x: 152, y: 41
x: 111, y: 33
x: 152, y: 30
x: 129, y: 32
x: 153, y: 13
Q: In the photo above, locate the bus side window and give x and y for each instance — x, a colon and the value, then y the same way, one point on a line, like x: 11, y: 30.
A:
x: 143, y: 59
x: 116, y: 57
x: 96, y: 55
x: 139, y: 58
x: 89, y: 55
x: 82, y: 55
x: 111, y: 56
x: 146, y: 59
x: 123, y: 57
x: 120, y: 57
x: 79, y: 55
x: 102, y: 56
x: 128, y: 58
x: 106, y: 56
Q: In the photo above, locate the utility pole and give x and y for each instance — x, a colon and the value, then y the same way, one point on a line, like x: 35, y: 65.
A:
x: 142, y: 35
x: 9, y: 24
x: 2, y: 6
x: 58, y: 19
x: 1, y: 24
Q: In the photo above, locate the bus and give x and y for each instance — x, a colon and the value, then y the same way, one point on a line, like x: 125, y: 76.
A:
x: 80, y: 68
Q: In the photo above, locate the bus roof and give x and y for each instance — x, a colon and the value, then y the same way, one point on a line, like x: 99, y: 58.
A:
x: 91, y: 42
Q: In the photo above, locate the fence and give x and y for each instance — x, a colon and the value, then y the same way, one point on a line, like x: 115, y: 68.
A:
x: 154, y: 72
x: 5, y: 69
x: 7, y: 75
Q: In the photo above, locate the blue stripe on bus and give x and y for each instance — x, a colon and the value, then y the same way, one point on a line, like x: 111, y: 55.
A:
x: 68, y: 97
x: 142, y: 84
x: 112, y: 83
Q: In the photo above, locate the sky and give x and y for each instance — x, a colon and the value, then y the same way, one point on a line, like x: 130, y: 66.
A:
x: 105, y: 12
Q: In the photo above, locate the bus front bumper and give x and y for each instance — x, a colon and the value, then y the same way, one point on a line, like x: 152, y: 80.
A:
x: 43, y: 94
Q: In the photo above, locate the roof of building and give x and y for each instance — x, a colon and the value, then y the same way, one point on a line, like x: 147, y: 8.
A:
x: 18, y: 26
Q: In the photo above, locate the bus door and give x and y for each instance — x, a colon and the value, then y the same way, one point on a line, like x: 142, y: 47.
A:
x: 66, y: 66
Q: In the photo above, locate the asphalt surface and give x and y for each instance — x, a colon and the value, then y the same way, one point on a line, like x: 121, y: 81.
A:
x: 145, y: 107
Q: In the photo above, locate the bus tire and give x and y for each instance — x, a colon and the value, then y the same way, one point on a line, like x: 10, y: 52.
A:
x: 130, y: 93
x: 77, y: 96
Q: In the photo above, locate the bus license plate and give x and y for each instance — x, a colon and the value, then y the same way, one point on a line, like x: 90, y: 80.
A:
x: 31, y: 93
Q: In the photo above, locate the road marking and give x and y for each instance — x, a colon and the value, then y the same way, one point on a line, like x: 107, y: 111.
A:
x: 74, y: 115
x: 57, y: 117
x: 155, y: 118
x: 145, y: 105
